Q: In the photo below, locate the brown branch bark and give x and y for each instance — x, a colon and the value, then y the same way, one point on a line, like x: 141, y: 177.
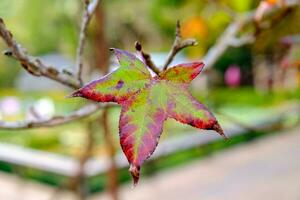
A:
x: 54, y: 121
x: 98, y: 37
x: 89, y: 10
x: 178, y: 45
x: 226, y: 40
x: 147, y: 58
x: 34, y: 65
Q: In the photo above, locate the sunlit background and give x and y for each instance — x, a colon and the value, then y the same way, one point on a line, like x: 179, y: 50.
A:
x: 252, y: 88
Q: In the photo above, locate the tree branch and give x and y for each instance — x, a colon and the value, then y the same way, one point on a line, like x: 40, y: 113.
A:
x: 230, y: 38
x: 54, y: 121
x: 147, y: 58
x: 227, y: 39
x: 178, y: 45
x: 89, y: 10
x: 31, y: 64
x: 36, y: 67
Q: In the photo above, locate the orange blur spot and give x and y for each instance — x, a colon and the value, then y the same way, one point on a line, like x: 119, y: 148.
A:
x: 194, y: 27
x: 272, y: 2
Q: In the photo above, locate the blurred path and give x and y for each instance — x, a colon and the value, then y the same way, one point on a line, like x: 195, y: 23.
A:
x: 14, y: 188
x: 266, y: 169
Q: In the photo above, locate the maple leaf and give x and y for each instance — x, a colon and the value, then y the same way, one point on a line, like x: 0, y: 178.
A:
x: 147, y: 102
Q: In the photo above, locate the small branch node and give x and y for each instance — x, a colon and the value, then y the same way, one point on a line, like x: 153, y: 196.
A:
x: 178, y: 45
x: 146, y: 57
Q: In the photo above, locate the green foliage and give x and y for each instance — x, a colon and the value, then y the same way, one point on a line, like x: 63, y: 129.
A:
x: 5, y: 8
x: 242, y: 57
x: 240, y: 6
x: 10, y: 74
x: 54, y: 24
x: 248, y: 97
x: 41, y: 29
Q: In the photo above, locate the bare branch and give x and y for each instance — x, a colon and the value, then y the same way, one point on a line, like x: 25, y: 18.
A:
x: 89, y: 10
x: 37, y: 68
x: 147, y: 58
x: 237, y: 42
x: 31, y: 64
x: 230, y: 35
x: 178, y: 45
x: 226, y: 40
x: 54, y: 121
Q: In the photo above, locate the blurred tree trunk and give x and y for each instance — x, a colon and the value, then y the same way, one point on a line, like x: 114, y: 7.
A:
x: 79, y: 182
x: 101, y: 58
x: 112, y: 174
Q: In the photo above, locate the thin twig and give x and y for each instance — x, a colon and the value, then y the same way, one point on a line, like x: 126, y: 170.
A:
x: 31, y: 64
x: 230, y: 38
x: 147, y: 58
x: 89, y: 10
x: 36, y: 67
x: 227, y: 39
x: 54, y: 121
x: 178, y: 45
x: 238, y: 42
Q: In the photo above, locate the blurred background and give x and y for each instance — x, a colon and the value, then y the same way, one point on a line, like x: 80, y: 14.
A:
x: 252, y: 87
